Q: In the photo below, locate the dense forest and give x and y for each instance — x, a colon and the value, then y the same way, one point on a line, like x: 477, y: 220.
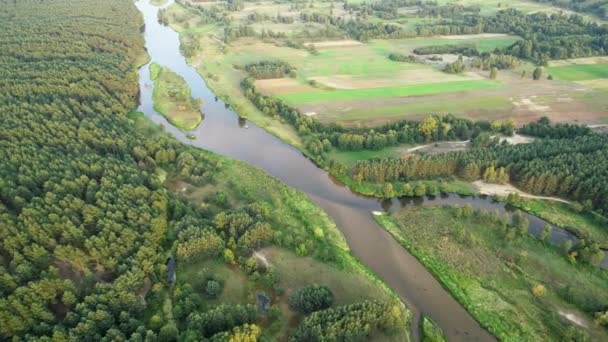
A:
x: 81, y: 216
x: 86, y: 224
x: 596, y: 7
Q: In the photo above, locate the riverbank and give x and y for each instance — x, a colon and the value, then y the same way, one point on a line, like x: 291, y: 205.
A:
x: 305, y: 238
x: 172, y: 98
x: 516, y: 288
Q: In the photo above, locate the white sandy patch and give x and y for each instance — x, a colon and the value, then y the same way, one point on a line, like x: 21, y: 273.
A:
x: 504, y: 190
x: 574, y: 318
x: 517, y: 139
x: 262, y: 258
x: 310, y: 114
x: 473, y: 36
x: 335, y: 43
x: 423, y: 75
x: 455, y: 144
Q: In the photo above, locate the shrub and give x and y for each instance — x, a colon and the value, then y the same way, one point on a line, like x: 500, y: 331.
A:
x: 311, y: 298
x: 538, y: 290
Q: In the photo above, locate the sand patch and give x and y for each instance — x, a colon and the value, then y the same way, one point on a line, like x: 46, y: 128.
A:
x: 262, y: 258
x: 517, y: 139
x: 409, y: 77
x: 474, y: 36
x: 530, y: 105
x: 574, y: 318
x: 440, y: 147
x: 335, y: 43
x: 504, y: 190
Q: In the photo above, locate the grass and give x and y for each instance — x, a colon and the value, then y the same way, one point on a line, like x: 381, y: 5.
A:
x: 457, y: 106
x: 158, y: 2
x: 172, y: 98
x: 350, y: 157
x: 431, y: 332
x: 493, y: 278
x: 401, y: 91
x: 579, y: 72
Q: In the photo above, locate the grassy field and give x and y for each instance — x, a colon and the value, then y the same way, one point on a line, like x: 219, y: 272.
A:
x: 362, y: 94
x: 172, y: 99
x: 580, y: 72
x: 494, y: 279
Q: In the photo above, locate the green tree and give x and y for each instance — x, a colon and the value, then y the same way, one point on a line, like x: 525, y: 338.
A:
x: 537, y: 74
x: 546, y: 233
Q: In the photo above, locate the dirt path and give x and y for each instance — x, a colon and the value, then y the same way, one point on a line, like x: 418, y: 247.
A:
x: 506, y: 189
x: 457, y: 145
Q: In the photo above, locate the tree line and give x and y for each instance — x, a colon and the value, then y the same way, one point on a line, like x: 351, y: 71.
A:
x: 567, y: 161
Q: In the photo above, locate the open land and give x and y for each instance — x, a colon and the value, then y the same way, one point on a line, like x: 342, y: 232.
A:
x: 355, y: 83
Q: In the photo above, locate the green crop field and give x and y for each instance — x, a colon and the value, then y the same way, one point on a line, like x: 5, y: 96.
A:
x: 580, y: 72
x: 412, y: 90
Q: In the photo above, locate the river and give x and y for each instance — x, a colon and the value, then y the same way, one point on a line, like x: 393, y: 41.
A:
x: 223, y: 132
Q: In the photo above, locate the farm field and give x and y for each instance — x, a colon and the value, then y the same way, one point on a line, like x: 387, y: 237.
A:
x: 355, y: 83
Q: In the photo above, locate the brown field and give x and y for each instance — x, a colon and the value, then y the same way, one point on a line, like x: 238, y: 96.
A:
x: 523, y: 100
x: 409, y: 77
x: 574, y: 61
x: 278, y: 86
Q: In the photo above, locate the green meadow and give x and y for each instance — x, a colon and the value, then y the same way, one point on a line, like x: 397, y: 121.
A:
x: 579, y: 72
x: 400, y: 91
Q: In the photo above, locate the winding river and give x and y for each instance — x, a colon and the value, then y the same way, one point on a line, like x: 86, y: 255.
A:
x: 223, y: 132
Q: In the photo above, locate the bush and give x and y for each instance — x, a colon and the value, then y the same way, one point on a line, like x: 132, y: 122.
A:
x: 538, y: 290
x: 213, y: 288
x: 311, y: 298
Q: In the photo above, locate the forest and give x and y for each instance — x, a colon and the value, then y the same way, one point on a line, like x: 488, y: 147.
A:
x: 86, y: 222
x: 596, y: 7
x: 567, y: 161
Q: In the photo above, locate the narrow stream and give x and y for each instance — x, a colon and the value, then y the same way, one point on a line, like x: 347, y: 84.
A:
x: 223, y: 132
